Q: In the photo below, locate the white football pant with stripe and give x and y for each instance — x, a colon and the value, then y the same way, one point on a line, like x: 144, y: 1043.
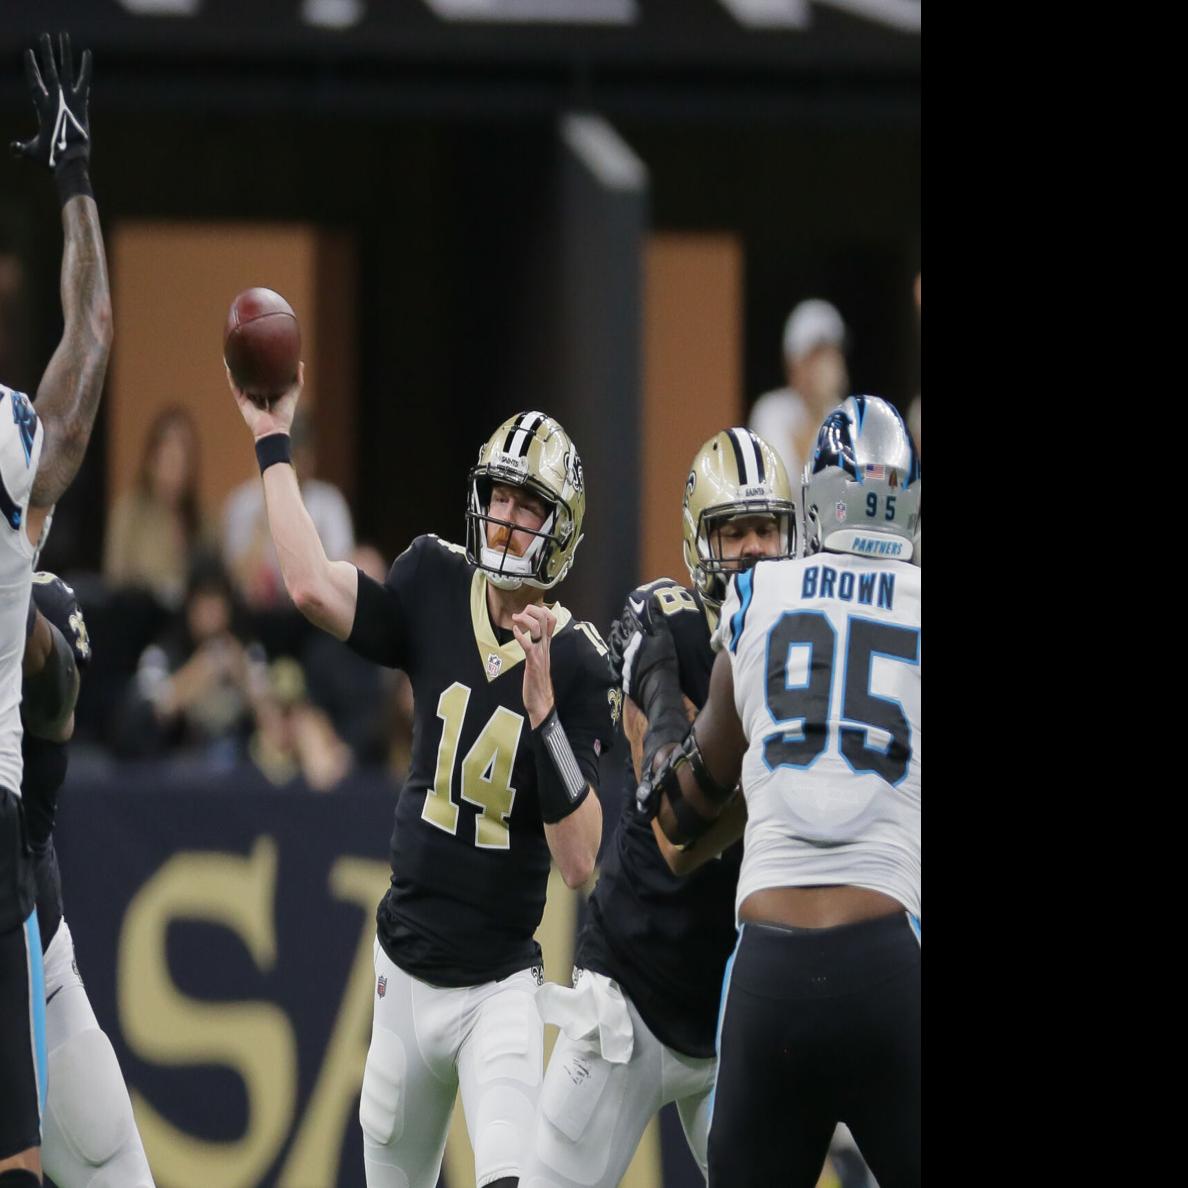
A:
x: 89, y: 1138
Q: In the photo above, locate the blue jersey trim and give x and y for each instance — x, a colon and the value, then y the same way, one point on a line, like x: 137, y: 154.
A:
x: 37, y: 1003
x: 745, y: 584
x: 721, y: 1019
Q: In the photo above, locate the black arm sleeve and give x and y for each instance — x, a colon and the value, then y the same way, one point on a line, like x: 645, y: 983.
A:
x: 383, y: 625
x: 49, y: 697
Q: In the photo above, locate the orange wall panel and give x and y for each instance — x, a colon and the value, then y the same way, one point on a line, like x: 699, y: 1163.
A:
x: 172, y: 284
x: 692, y: 340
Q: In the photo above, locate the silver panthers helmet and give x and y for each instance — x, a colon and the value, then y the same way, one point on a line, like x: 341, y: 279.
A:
x: 861, y: 490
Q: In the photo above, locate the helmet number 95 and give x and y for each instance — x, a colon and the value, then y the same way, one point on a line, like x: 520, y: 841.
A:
x: 872, y: 506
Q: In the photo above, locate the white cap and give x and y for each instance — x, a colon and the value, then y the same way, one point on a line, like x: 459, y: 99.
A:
x: 811, y: 324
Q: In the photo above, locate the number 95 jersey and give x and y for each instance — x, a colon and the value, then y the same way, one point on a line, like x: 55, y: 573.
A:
x: 826, y: 657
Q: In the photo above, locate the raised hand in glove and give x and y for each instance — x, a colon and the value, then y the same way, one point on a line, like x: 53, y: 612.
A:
x: 643, y: 652
x: 63, y: 140
x: 58, y: 602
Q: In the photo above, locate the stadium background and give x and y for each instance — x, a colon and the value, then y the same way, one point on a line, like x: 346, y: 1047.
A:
x: 604, y: 208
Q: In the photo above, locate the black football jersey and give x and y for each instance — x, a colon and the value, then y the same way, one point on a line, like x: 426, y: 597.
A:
x: 665, y: 939
x: 470, y: 863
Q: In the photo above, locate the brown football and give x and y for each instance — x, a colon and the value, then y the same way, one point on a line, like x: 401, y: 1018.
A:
x: 262, y: 345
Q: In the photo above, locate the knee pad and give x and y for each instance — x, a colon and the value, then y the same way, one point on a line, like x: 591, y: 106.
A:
x: 501, y: 1101
x: 381, y: 1103
x: 87, y: 1097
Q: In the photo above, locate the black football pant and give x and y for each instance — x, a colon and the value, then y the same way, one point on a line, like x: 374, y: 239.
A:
x: 820, y: 1026
x: 22, y: 990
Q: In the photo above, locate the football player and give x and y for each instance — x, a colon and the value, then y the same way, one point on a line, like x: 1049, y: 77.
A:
x: 649, y: 931
x: 814, y: 701
x: 40, y: 453
x: 513, y: 702
x: 89, y: 1135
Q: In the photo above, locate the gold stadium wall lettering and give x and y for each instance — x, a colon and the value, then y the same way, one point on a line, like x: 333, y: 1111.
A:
x: 164, y: 1026
x: 317, y: 1149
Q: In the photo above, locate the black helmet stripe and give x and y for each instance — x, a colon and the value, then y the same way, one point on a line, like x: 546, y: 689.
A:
x: 520, y: 434
x: 758, y: 457
x: 746, y: 457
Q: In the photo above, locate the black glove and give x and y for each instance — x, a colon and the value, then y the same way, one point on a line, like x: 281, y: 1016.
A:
x: 622, y: 631
x: 63, y: 140
x: 56, y: 600
x: 647, y: 659
x: 648, y: 791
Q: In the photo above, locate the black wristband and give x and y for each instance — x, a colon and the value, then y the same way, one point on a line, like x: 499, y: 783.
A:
x: 72, y: 179
x: 276, y: 447
x: 560, y: 785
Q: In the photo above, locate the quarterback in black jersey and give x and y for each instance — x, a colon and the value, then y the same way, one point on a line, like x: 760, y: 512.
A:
x: 513, y: 702
x: 88, y: 1131
x: 651, y: 958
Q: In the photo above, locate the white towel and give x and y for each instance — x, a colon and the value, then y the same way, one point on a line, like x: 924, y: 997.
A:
x: 594, y: 1008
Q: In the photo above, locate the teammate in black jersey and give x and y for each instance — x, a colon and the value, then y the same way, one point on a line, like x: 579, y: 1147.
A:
x: 513, y: 703
x: 639, y: 1027
x: 89, y: 1133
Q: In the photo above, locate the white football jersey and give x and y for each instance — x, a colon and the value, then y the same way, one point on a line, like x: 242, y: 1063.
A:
x: 826, y: 658
x: 20, y: 452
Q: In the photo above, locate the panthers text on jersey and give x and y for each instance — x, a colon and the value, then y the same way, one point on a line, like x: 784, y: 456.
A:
x: 470, y: 862
x: 826, y: 658
x: 665, y: 939
x: 21, y: 438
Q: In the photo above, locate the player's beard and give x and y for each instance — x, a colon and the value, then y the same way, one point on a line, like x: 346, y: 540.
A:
x: 499, y: 535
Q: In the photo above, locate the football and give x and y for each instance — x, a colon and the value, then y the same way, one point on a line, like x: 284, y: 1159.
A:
x: 262, y: 345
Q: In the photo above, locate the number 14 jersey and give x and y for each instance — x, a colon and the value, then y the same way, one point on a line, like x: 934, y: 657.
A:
x: 470, y: 862
x: 826, y: 658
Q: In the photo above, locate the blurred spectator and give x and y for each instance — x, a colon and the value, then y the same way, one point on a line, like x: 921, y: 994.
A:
x: 196, y: 687
x: 155, y: 529
x: 364, y: 702
x: 788, y: 418
x: 248, y: 550
x: 294, y: 738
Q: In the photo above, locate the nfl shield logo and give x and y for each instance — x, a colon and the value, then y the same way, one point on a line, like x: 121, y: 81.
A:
x: 839, y: 510
x: 494, y: 664
x: 381, y: 987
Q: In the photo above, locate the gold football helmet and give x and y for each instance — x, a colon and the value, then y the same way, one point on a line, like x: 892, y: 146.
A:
x: 736, y: 473
x: 528, y: 450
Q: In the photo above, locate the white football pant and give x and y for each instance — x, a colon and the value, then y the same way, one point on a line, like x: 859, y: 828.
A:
x: 89, y: 1138
x: 426, y: 1043
x: 593, y: 1112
